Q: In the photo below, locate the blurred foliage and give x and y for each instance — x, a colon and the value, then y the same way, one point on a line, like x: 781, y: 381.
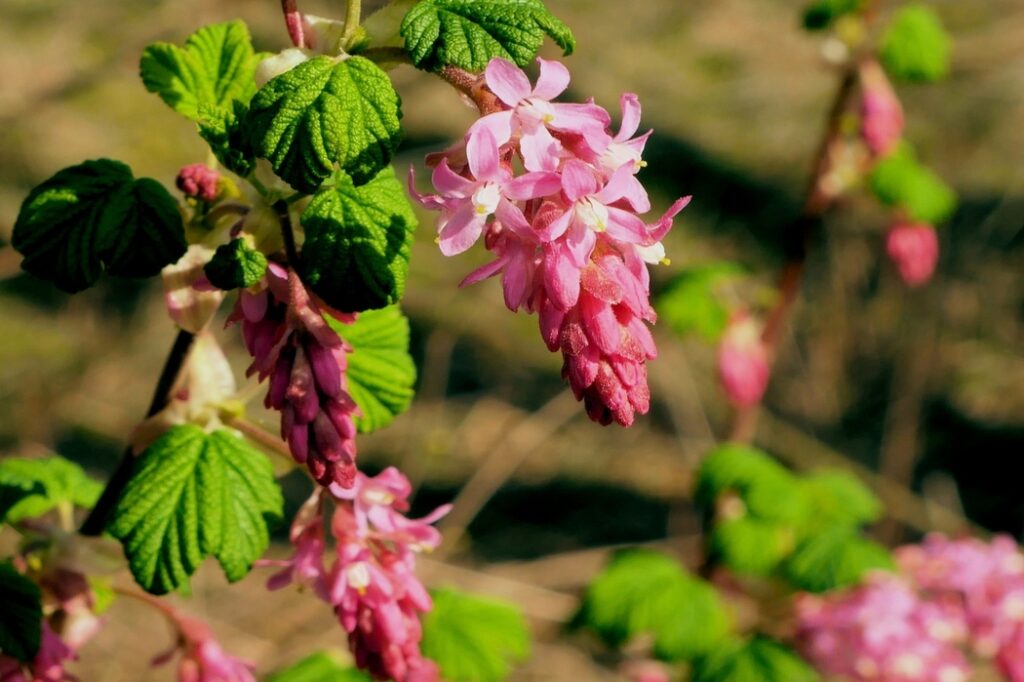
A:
x: 323, y: 666
x: 32, y: 487
x: 916, y: 47
x: 901, y: 180
x: 756, y: 660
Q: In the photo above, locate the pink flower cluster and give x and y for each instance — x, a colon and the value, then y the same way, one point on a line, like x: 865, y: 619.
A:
x: 285, y: 332
x: 565, y: 231
x: 950, y: 595
x: 743, y: 362
x: 914, y: 249
x: 371, y: 584
x: 199, y: 181
x: 203, y: 659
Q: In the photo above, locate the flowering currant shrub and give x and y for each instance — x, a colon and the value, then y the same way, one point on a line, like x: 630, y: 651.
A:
x: 299, y: 226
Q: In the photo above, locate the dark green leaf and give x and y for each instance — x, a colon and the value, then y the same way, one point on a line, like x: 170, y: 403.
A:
x: 834, y: 558
x: 94, y: 215
x: 474, y: 639
x: 21, y: 618
x: 222, y: 128
x: 325, y: 112
x: 323, y: 666
x: 195, y: 494
x: 51, y: 481
x: 358, y: 241
x: 899, y: 180
x: 916, y: 47
x: 469, y: 33
x: 381, y: 373
x: 757, y: 660
x: 235, y: 265
x: 644, y: 593
x: 820, y: 14
x: 216, y: 67
x: 693, y: 302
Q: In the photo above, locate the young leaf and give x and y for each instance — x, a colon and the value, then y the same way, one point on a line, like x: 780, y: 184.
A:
x: 768, y: 489
x: 323, y: 666
x: 195, y: 494
x: 916, y: 47
x: 358, y: 240
x: 381, y: 373
x: 757, y: 660
x: 751, y: 546
x: 692, y: 303
x: 222, y: 129
x: 21, y: 618
x: 325, y: 112
x: 96, y: 215
x: 839, y: 498
x: 235, y: 265
x: 834, y: 558
x: 48, y: 482
x: 216, y: 66
x: 820, y: 14
x: 646, y: 593
x: 900, y: 180
x: 469, y: 33
x: 474, y: 639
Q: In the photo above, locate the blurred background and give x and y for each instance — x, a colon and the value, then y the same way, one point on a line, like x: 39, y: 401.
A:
x: 921, y: 392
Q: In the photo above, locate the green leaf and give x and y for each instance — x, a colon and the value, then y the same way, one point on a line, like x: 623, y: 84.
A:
x: 96, y: 215
x: 358, y: 242
x: 751, y: 546
x: 899, y: 180
x: 644, y: 593
x: 820, y: 14
x: 325, y: 112
x: 216, y: 67
x: 235, y: 265
x: 916, y: 47
x: 692, y: 301
x: 381, y: 373
x: 757, y: 660
x: 839, y: 498
x: 834, y: 558
x: 195, y: 494
x: 323, y: 666
x: 469, y: 33
x: 473, y: 639
x: 768, y: 489
x: 222, y: 128
x: 21, y: 618
x: 50, y: 481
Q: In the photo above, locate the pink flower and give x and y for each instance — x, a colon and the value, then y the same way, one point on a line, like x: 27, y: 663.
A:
x: 914, y: 249
x: 305, y: 360
x: 306, y: 567
x: 48, y: 665
x: 199, y: 181
x: 203, y: 659
x: 881, y: 112
x: 743, y: 362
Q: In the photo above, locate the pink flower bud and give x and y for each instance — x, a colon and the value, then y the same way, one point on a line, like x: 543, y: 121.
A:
x: 743, y: 362
x: 199, y: 181
x: 881, y: 112
x: 914, y: 249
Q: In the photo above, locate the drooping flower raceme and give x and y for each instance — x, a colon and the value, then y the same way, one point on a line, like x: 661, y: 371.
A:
x: 566, y: 233
x: 371, y: 583
x: 743, y: 362
x: 914, y: 249
x: 305, y: 360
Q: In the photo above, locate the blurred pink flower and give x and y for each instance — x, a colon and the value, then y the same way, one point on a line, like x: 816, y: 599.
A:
x: 743, y: 362
x: 881, y: 112
x: 914, y: 249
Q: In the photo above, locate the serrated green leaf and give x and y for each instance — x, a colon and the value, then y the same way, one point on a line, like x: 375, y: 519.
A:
x: 821, y: 14
x: 97, y: 215
x: 325, y: 112
x: 473, y: 639
x: 916, y: 47
x: 642, y: 592
x: 235, y: 265
x: 358, y: 242
x: 216, y: 67
x: 21, y: 618
x: 323, y: 666
x: 756, y: 660
x: 839, y: 498
x: 469, y: 33
x: 195, y: 494
x: 381, y: 373
x: 899, y: 180
x: 692, y: 301
x: 751, y: 546
x: 222, y: 128
x: 834, y: 558
x: 51, y: 480
x: 768, y: 489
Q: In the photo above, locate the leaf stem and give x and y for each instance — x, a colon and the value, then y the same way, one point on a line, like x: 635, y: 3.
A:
x: 96, y: 521
x: 293, y: 21
x: 288, y: 234
x: 353, y: 13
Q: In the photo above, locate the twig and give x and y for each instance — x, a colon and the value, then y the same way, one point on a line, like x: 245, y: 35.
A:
x: 96, y: 521
x: 353, y: 12
x: 293, y: 20
x: 288, y: 234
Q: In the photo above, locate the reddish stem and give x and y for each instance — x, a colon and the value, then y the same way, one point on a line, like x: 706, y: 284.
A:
x: 472, y: 85
x: 293, y: 20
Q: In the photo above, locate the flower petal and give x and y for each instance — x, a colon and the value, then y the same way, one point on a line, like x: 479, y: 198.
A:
x: 630, y: 105
x: 448, y: 182
x: 658, y: 230
x: 482, y: 154
x: 578, y: 180
x: 507, y: 81
x: 461, y: 231
x: 533, y: 186
x: 552, y: 81
x: 539, y: 149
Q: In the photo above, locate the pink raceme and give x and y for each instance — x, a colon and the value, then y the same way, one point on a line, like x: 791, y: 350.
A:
x: 199, y: 181
x: 743, y: 362
x: 914, y: 249
x: 881, y: 112
x: 566, y: 232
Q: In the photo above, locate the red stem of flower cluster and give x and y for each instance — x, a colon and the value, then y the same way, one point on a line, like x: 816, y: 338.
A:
x: 795, y: 241
x: 472, y: 85
x: 293, y: 20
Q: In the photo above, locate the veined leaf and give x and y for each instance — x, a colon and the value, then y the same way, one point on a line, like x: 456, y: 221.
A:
x: 235, y: 265
x: 195, y: 494
x: 32, y: 487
